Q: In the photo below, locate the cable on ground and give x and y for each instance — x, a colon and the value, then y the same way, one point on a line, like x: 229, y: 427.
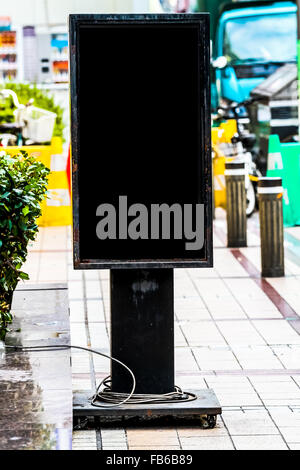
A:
x: 106, y: 395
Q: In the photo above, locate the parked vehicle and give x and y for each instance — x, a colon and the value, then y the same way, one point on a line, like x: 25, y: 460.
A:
x: 241, y: 147
x: 250, y: 41
x: 254, y: 38
x: 254, y: 44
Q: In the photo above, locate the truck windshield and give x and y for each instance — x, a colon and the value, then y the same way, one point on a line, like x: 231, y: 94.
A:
x: 261, y: 39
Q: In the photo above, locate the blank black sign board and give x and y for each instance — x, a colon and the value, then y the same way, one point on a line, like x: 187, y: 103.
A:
x: 140, y: 109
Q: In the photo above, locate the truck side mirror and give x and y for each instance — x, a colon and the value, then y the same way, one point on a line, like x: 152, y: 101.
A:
x: 220, y: 62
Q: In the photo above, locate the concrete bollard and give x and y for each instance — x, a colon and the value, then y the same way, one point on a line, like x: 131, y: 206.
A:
x: 236, y: 204
x: 271, y: 226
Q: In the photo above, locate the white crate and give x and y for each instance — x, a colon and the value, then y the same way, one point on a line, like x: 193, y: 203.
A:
x: 40, y: 124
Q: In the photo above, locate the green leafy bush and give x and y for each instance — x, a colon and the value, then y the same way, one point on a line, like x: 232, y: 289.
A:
x: 42, y: 99
x: 23, y: 186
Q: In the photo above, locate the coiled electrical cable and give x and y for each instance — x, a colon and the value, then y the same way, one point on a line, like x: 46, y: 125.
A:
x: 106, y: 395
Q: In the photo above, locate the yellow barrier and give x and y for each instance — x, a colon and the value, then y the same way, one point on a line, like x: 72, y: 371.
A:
x: 221, y: 135
x: 56, y: 209
x: 230, y: 128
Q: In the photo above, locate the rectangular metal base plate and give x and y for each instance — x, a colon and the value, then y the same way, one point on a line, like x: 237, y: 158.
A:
x: 206, y: 404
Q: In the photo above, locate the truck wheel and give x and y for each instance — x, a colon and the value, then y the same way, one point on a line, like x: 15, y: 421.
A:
x: 251, y: 199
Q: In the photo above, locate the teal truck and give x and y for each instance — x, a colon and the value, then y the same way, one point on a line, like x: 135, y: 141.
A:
x: 250, y: 40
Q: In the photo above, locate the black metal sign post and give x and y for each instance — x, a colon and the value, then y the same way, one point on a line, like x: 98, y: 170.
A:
x: 141, y: 177
x: 142, y: 329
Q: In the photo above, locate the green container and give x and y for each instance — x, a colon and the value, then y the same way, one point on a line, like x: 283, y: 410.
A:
x: 288, y: 168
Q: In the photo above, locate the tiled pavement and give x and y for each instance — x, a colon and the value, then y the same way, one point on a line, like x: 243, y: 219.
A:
x: 235, y: 333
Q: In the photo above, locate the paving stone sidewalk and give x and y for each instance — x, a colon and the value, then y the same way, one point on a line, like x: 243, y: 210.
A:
x: 235, y: 332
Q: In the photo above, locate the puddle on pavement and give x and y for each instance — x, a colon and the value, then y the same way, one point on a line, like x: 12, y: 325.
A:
x: 35, y: 387
x: 25, y: 421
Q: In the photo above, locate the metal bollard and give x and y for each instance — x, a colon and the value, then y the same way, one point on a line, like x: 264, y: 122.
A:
x: 271, y: 226
x: 236, y: 204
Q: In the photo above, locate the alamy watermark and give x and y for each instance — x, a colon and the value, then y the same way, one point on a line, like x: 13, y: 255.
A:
x: 160, y: 222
